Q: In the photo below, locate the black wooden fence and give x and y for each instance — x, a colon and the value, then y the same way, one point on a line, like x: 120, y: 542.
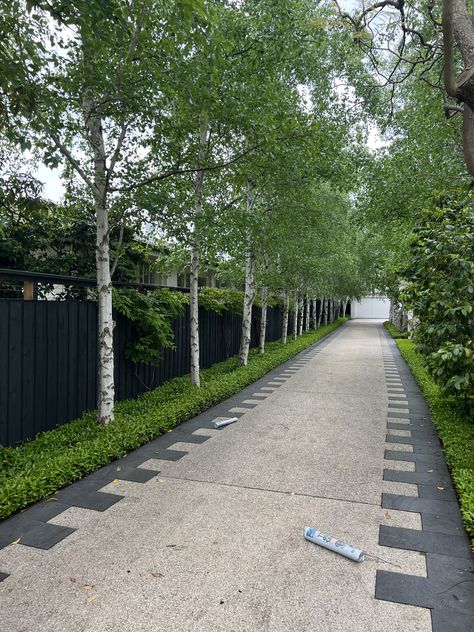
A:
x: 48, y: 359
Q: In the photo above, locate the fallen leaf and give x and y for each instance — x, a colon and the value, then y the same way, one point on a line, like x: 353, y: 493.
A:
x: 118, y: 469
x: 72, y: 580
x: 387, y: 515
x: 160, y: 480
x: 429, y: 471
x: 88, y: 586
x: 215, y: 542
x: 115, y: 481
x: 15, y: 542
x: 51, y: 500
x: 157, y: 574
x: 91, y: 598
x: 439, y: 487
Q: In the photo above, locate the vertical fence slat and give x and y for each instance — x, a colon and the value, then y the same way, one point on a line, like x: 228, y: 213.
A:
x: 4, y: 370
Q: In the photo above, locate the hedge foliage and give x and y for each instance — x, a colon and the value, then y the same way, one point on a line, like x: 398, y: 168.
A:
x: 56, y: 458
x: 455, y: 429
x: 394, y: 331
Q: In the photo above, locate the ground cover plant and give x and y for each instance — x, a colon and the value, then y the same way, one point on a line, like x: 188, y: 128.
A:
x: 58, y: 457
x: 455, y: 428
x: 394, y: 331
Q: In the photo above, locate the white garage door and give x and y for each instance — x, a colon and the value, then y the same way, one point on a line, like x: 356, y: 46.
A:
x: 371, y: 307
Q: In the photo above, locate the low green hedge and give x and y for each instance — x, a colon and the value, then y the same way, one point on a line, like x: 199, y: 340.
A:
x: 58, y: 457
x: 394, y: 332
x: 455, y: 429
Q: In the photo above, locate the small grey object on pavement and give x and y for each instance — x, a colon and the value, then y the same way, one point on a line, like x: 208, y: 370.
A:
x: 225, y: 422
x: 333, y: 544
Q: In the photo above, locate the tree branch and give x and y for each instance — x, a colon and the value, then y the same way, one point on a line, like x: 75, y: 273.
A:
x: 179, y: 172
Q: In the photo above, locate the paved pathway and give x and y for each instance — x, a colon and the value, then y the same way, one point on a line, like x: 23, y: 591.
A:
x: 214, y: 541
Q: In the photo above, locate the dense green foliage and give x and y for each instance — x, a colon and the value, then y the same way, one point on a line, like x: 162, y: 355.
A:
x: 56, y: 458
x: 153, y: 314
x: 455, y: 429
x: 394, y: 332
x: 440, y: 291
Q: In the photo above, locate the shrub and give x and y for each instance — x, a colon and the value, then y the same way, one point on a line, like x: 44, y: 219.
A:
x: 440, y: 292
x: 394, y: 331
x: 455, y: 429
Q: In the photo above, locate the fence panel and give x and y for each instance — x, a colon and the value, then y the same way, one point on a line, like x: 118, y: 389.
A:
x: 48, y: 359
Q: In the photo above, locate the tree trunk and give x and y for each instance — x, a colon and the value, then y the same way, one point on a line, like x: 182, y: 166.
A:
x: 195, y: 254
x: 306, y: 325
x: 105, y: 323
x: 286, y: 309
x: 194, y: 314
x: 249, y: 284
x: 325, y: 311
x: 295, y: 317
x: 300, y: 316
x: 315, y: 321
x: 344, y: 308
x: 263, y: 317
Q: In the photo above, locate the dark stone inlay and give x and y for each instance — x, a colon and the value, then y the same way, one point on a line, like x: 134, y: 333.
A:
x: 424, y: 541
x: 391, y: 425
x: 451, y: 621
x: 437, y: 492
x: 443, y: 523
x: 87, y: 497
x: 389, y: 438
x: 45, y: 535
x: 395, y: 415
x: 418, y: 505
x: 415, y: 478
x: 3, y: 576
x: 430, y: 460
x: 400, y: 588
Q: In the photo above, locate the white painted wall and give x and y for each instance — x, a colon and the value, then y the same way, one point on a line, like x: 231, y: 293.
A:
x: 371, y: 307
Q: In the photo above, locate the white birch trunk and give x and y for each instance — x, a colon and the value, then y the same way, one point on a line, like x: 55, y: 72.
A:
x: 315, y: 322
x: 105, y: 323
x: 295, y: 317
x: 344, y: 308
x: 325, y: 311
x: 249, y: 294
x: 286, y: 309
x: 194, y: 271
x: 194, y: 315
x: 300, y: 316
x: 308, y: 304
x: 263, y: 318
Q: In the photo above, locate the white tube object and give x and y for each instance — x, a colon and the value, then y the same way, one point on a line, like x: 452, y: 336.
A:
x: 338, y: 546
x: 225, y: 422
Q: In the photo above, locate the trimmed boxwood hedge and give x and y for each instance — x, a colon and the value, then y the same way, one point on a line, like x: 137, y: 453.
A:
x: 38, y: 468
x: 455, y: 429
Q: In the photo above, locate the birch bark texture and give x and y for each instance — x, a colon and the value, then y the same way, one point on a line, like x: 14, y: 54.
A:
x: 306, y: 325
x: 300, y: 316
x: 295, y: 317
x: 249, y: 294
x: 105, y: 324
x: 195, y: 257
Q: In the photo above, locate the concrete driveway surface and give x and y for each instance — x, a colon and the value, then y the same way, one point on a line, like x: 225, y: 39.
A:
x: 214, y: 541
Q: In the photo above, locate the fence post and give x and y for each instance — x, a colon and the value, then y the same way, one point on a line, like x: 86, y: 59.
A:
x: 28, y: 290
